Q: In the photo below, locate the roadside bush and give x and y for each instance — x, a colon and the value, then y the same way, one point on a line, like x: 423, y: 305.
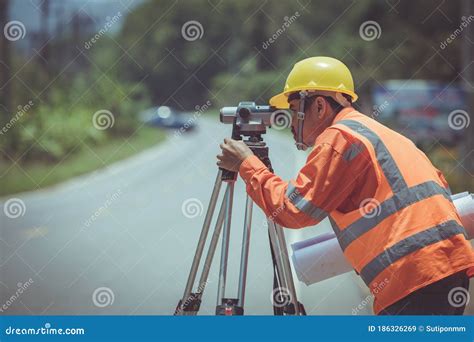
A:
x: 50, y: 131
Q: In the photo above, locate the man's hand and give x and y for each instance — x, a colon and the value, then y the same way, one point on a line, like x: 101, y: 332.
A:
x: 233, y: 154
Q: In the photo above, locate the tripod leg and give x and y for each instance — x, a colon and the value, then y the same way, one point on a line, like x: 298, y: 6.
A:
x: 202, y: 238
x: 244, y: 255
x: 212, y: 246
x: 225, y: 242
x: 276, y: 252
x: 280, y: 251
x: 287, y: 266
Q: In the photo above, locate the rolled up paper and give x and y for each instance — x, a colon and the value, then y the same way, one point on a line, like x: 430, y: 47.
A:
x: 320, y: 257
x: 464, y: 203
x: 459, y: 195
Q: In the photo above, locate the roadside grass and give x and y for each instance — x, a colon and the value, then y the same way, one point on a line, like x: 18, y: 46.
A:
x: 19, y: 177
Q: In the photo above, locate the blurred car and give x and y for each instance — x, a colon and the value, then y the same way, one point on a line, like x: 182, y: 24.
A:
x: 168, y: 118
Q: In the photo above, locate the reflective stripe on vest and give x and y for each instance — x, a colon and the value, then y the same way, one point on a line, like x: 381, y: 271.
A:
x: 386, y: 162
x: 409, y: 245
x: 388, y: 207
x: 403, y: 197
x: 304, y: 205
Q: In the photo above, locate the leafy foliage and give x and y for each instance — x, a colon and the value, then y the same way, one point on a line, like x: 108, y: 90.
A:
x: 150, y: 62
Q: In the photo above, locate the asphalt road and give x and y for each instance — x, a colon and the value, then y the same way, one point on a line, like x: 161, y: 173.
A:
x: 121, y: 240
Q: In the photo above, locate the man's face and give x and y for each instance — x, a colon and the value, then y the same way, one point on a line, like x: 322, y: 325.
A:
x: 317, y: 118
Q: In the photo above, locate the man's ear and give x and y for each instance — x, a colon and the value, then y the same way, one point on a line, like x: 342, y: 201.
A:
x: 319, y: 106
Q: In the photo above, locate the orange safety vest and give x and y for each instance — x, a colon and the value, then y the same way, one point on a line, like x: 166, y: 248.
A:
x: 409, y: 234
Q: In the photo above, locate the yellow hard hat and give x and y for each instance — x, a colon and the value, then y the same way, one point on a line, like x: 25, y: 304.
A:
x: 313, y: 74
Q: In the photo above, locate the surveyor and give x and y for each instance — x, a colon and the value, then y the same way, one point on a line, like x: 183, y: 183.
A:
x: 388, y: 205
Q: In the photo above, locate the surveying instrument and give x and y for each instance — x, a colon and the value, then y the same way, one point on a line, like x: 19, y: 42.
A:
x: 249, y: 122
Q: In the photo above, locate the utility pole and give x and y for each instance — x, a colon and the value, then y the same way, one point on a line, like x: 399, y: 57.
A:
x: 468, y: 80
x: 59, y: 34
x: 44, y: 53
x: 5, y: 66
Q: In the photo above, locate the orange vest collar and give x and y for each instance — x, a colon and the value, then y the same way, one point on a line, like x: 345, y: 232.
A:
x: 342, y: 114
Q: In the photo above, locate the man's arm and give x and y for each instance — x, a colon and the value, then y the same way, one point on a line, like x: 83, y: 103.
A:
x: 326, y: 180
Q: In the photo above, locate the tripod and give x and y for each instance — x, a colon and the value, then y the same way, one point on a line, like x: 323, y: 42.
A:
x: 283, y: 284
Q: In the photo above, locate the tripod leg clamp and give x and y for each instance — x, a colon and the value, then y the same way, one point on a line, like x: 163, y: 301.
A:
x: 190, y: 306
x: 229, y: 307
